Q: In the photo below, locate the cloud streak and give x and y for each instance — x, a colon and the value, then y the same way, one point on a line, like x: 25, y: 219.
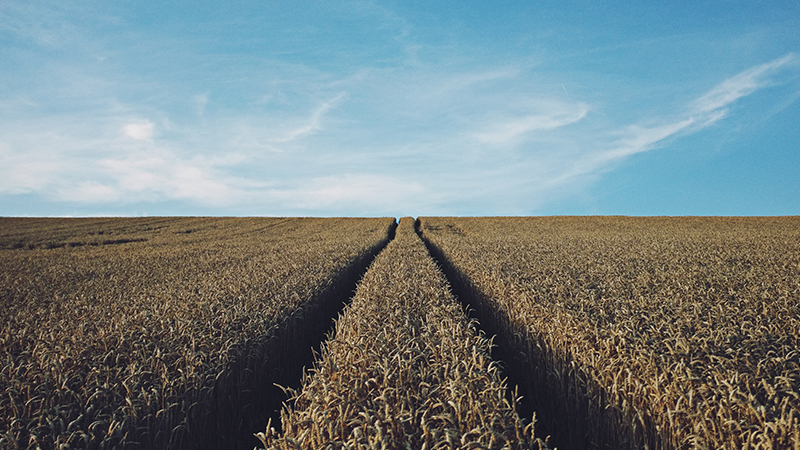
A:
x: 513, y: 129
x: 743, y: 84
x: 157, y: 175
x: 701, y: 113
x: 313, y: 124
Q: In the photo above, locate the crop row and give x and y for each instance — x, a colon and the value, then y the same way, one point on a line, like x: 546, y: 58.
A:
x: 406, y: 368
x: 673, y: 333
x: 164, y: 332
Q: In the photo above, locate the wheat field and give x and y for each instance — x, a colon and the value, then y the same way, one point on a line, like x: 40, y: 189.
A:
x: 439, y: 333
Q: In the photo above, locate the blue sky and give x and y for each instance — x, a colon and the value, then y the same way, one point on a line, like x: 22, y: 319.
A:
x: 399, y: 108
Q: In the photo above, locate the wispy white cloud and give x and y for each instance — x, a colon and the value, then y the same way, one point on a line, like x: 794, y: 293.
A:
x: 709, y: 108
x: 273, y: 133
x: 97, y: 160
x: 636, y: 139
x: 312, y: 124
x: 743, y: 84
x: 701, y: 113
x: 364, y: 193
x: 90, y: 192
x: 148, y: 176
x: 140, y: 131
x: 512, y: 129
x: 640, y: 139
x: 22, y: 172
